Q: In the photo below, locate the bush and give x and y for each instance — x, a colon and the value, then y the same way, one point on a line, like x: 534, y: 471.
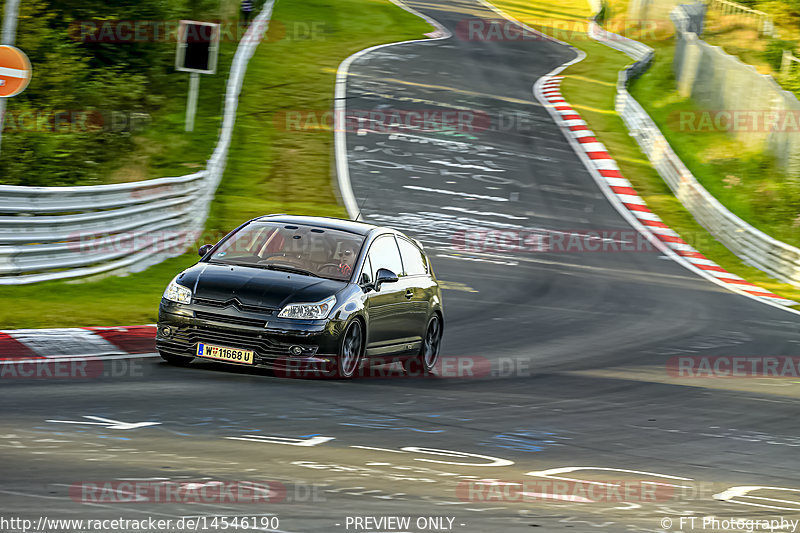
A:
x: 773, y: 54
x: 604, y: 14
x: 92, y: 81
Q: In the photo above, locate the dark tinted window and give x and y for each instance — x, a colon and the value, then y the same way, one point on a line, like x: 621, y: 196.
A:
x: 367, y: 274
x: 413, y: 260
x: 384, y: 254
x: 324, y: 252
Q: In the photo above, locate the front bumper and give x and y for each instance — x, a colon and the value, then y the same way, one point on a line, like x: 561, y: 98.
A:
x: 273, y: 340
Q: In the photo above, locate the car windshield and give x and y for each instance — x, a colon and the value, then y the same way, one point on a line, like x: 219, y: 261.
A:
x: 294, y: 248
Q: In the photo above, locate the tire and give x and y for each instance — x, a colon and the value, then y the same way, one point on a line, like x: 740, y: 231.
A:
x: 425, y: 361
x: 351, y: 351
x: 177, y: 360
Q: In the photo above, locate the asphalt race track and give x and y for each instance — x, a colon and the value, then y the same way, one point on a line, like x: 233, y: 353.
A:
x: 555, y: 362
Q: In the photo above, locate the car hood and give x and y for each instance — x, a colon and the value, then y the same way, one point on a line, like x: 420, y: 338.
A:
x: 256, y: 286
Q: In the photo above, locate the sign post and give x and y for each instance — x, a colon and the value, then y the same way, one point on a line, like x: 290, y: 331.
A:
x: 191, y: 103
x: 8, y: 37
x: 198, y: 45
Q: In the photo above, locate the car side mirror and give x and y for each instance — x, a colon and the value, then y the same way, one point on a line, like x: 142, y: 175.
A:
x: 384, y: 275
x: 203, y: 250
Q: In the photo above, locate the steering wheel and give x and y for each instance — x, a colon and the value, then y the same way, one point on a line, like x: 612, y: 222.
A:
x: 290, y: 260
x: 337, y: 268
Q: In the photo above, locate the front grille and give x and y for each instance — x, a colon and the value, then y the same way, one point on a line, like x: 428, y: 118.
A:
x: 239, y: 320
x: 220, y: 304
x: 266, y: 349
x: 210, y: 303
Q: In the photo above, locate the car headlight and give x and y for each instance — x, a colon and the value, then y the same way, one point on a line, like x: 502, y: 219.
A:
x: 309, y: 311
x: 178, y: 293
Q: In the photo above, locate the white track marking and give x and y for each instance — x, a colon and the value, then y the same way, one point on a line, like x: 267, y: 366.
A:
x: 64, y: 342
x: 456, y: 193
x: 340, y: 98
x: 482, y: 213
x: 107, y: 423
x: 730, y: 495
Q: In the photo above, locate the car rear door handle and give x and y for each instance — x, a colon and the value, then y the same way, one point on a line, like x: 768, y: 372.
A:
x: 409, y: 293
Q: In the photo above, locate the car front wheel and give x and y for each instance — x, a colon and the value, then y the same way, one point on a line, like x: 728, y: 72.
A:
x: 350, y: 353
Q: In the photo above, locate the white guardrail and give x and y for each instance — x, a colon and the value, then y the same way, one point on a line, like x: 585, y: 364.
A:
x: 752, y: 246
x: 49, y: 233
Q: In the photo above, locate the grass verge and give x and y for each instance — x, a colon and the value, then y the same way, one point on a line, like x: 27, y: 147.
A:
x: 163, y: 148
x: 590, y: 87
x: 745, y: 179
x: 271, y: 168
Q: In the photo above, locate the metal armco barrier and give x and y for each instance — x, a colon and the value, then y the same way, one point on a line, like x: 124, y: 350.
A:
x: 49, y: 233
x: 752, y: 246
x: 765, y: 24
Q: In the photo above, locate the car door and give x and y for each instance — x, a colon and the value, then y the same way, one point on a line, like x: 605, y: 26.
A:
x: 418, y: 288
x: 385, y: 307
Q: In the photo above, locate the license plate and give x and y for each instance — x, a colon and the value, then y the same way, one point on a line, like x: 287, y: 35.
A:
x: 221, y: 353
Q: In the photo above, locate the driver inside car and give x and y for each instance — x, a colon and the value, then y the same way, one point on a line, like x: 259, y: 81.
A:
x: 347, y: 261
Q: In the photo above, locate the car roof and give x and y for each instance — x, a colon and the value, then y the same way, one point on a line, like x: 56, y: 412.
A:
x: 351, y: 226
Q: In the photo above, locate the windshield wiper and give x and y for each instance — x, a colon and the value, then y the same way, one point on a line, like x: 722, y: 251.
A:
x: 286, y: 268
x: 227, y: 263
x: 281, y: 268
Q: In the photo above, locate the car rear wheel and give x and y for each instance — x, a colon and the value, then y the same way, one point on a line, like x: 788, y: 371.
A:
x: 428, y: 355
x: 177, y: 360
x: 350, y: 353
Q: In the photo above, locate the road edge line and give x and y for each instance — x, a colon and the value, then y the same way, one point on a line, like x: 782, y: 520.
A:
x: 340, y: 98
x: 610, y: 195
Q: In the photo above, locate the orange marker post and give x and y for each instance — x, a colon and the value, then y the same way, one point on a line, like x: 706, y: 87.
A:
x: 15, y: 71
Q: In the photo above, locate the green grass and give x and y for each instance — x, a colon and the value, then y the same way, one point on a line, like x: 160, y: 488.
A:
x: 102, y: 301
x: 590, y: 87
x: 163, y: 148
x: 744, y: 179
x: 275, y: 168
x: 270, y: 169
x: 740, y: 36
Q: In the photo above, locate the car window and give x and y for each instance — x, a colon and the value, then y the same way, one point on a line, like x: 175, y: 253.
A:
x: 322, y: 252
x: 367, y: 274
x: 413, y: 260
x: 384, y: 254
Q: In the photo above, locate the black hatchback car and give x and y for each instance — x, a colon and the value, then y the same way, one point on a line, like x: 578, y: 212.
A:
x: 295, y: 293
